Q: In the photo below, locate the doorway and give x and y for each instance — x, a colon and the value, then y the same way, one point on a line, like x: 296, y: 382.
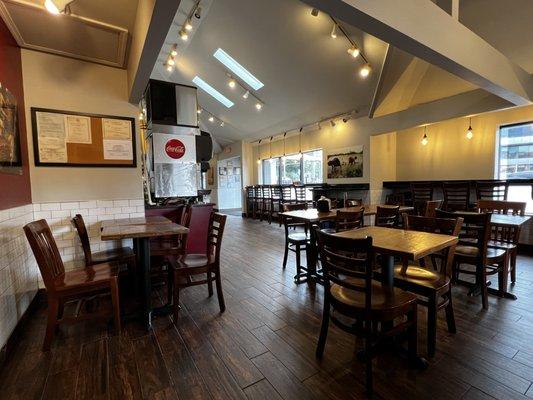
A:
x: 229, y: 174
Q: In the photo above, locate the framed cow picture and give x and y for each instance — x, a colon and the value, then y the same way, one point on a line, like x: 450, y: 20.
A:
x: 345, y: 163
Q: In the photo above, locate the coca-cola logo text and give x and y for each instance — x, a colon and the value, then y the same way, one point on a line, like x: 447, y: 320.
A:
x: 175, y: 148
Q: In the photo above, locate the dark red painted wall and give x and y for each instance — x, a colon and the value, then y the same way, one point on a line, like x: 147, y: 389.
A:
x: 15, y: 190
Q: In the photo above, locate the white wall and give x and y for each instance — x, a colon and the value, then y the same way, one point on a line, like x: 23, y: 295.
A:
x: 66, y: 84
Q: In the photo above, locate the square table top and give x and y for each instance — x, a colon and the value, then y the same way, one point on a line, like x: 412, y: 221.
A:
x: 158, y: 219
x: 145, y: 230
x: 312, y: 214
x: 402, y: 243
x: 505, y: 219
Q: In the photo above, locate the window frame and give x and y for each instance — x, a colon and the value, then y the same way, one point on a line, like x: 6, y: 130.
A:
x: 497, y: 164
x: 280, y: 167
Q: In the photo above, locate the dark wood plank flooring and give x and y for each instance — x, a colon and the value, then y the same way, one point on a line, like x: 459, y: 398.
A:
x: 263, y: 346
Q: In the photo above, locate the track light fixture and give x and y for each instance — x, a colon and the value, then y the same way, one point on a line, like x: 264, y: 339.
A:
x: 332, y: 123
x: 188, y: 25
x: 365, y: 70
x: 245, y: 95
x: 221, y: 123
x: 211, y: 119
x: 198, y: 12
x: 354, y: 51
x: 57, y: 7
x: 183, y: 35
x: 232, y: 83
x: 199, y: 111
x: 258, y: 106
x: 314, y: 12
x: 333, y: 33
x: 174, y: 50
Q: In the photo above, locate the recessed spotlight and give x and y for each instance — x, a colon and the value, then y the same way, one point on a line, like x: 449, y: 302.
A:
x: 188, y: 25
x: 183, y: 35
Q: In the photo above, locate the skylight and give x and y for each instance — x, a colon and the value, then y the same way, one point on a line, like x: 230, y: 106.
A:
x: 238, y: 69
x: 206, y: 87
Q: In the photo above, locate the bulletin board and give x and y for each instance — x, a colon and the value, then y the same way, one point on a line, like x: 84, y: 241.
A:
x: 72, y: 139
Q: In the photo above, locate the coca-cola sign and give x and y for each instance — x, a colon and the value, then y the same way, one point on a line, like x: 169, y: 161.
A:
x: 175, y: 149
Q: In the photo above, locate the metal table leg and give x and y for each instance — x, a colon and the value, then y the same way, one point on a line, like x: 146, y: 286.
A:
x: 144, y: 272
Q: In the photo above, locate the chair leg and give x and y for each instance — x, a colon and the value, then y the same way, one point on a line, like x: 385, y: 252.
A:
x: 450, y: 317
x: 220, y: 295
x: 210, y: 284
x: 413, y: 339
x: 432, y: 325
x: 170, y: 285
x: 285, y: 255
x: 323, y: 330
x: 53, y: 308
x: 503, y: 275
x: 298, y: 268
x: 368, y: 359
x: 116, y: 303
x: 513, y: 266
x: 175, y: 299
x: 482, y: 273
x: 133, y: 275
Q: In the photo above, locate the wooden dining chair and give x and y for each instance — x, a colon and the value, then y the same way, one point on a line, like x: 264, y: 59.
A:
x: 346, y: 220
x: 62, y: 287
x: 296, y: 238
x: 250, y: 198
x: 258, y: 201
x: 351, y: 293
x: 456, y: 196
x: 430, y: 207
x: 275, y: 201
x: 421, y: 191
x: 473, y: 250
x: 395, y: 199
x: 387, y: 217
x: 494, y: 190
x: 505, y: 237
x: 300, y: 195
x: 207, y: 265
x: 433, y: 285
x: 266, y: 203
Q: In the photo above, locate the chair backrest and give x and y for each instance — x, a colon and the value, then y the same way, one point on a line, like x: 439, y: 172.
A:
x: 267, y: 194
x: 46, y: 252
x: 496, y: 190
x: 421, y: 191
x: 80, y: 226
x: 395, y: 199
x: 427, y: 208
x: 456, y: 196
x: 346, y: 257
x: 387, y: 216
x: 249, y: 192
x: 300, y: 193
x: 294, y: 207
x: 258, y: 191
x: 286, y: 193
x: 186, y: 216
x: 502, y: 207
x: 346, y: 220
x: 275, y: 192
x: 475, y: 230
x: 217, y: 222
x: 445, y: 226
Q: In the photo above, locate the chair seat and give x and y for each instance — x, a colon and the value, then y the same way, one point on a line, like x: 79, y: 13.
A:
x: 112, y: 255
x: 93, y: 276
x: 463, y: 252
x: 417, y: 275
x: 194, y: 260
x: 298, y: 237
x: 383, y: 299
x: 501, y: 245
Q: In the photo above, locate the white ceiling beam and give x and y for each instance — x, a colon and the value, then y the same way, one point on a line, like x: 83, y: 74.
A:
x: 426, y: 31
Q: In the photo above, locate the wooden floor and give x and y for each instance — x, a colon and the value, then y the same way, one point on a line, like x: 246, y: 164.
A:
x: 263, y: 346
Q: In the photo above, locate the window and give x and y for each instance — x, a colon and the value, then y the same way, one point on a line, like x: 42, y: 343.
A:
x: 515, y: 159
x: 293, y: 168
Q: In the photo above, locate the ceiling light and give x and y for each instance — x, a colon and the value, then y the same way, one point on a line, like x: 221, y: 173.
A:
x: 211, y: 119
x: 469, y: 132
x: 141, y: 116
x: 232, y: 83
x: 183, y: 35
x: 206, y: 87
x: 332, y: 123
x: 345, y: 119
x: 258, y: 160
x: 51, y: 7
x: 238, y: 69
x: 221, y: 123
x: 174, y: 51
x: 424, y: 140
x: 365, y: 70
x: 319, y: 126
x: 314, y: 12
x: 246, y: 94
x: 334, y: 31
x: 188, y: 25
x: 199, y: 111
x: 171, y: 61
x: 354, y: 51
x: 258, y: 106
x: 198, y: 12
x: 169, y: 67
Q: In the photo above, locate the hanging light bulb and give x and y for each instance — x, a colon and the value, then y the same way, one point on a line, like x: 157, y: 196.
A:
x: 354, y: 51
x: 333, y: 33
x: 245, y: 95
x: 259, y: 152
x: 174, y: 51
x: 425, y: 139
x: 183, y: 35
x: 469, y: 132
x: 188, y: 25
x: 258, y: 106
x: 365, y: 70
x: 232, y: 83
x: 141, y: 116
x: 211, y: 119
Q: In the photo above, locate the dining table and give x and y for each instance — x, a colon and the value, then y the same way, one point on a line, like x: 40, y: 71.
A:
x: 141, y: 230
x: 312, y: 216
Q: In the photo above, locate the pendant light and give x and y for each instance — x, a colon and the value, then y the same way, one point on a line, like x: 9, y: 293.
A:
x: 270, y: 148
x: 300, y: 155
x: 469, y: 132
x: 425, y: 140
x: 259, y: 152
x: 284, y: 135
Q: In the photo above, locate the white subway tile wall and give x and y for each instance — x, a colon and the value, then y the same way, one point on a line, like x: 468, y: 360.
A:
x: 19, y: 275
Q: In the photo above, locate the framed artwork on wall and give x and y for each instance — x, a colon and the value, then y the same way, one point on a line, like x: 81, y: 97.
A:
x: 345, y: 163
x: 10, y: 154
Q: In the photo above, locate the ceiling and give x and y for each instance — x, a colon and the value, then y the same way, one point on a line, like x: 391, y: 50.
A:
x: 94, y: 31
x: 506, y: 25
x: 307, y: 75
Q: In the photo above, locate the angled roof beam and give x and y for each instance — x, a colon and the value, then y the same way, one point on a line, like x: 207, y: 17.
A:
x: 426, y: 31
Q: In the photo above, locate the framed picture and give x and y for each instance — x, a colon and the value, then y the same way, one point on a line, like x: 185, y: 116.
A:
x: 10, y: 155
x: 345, y: 163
